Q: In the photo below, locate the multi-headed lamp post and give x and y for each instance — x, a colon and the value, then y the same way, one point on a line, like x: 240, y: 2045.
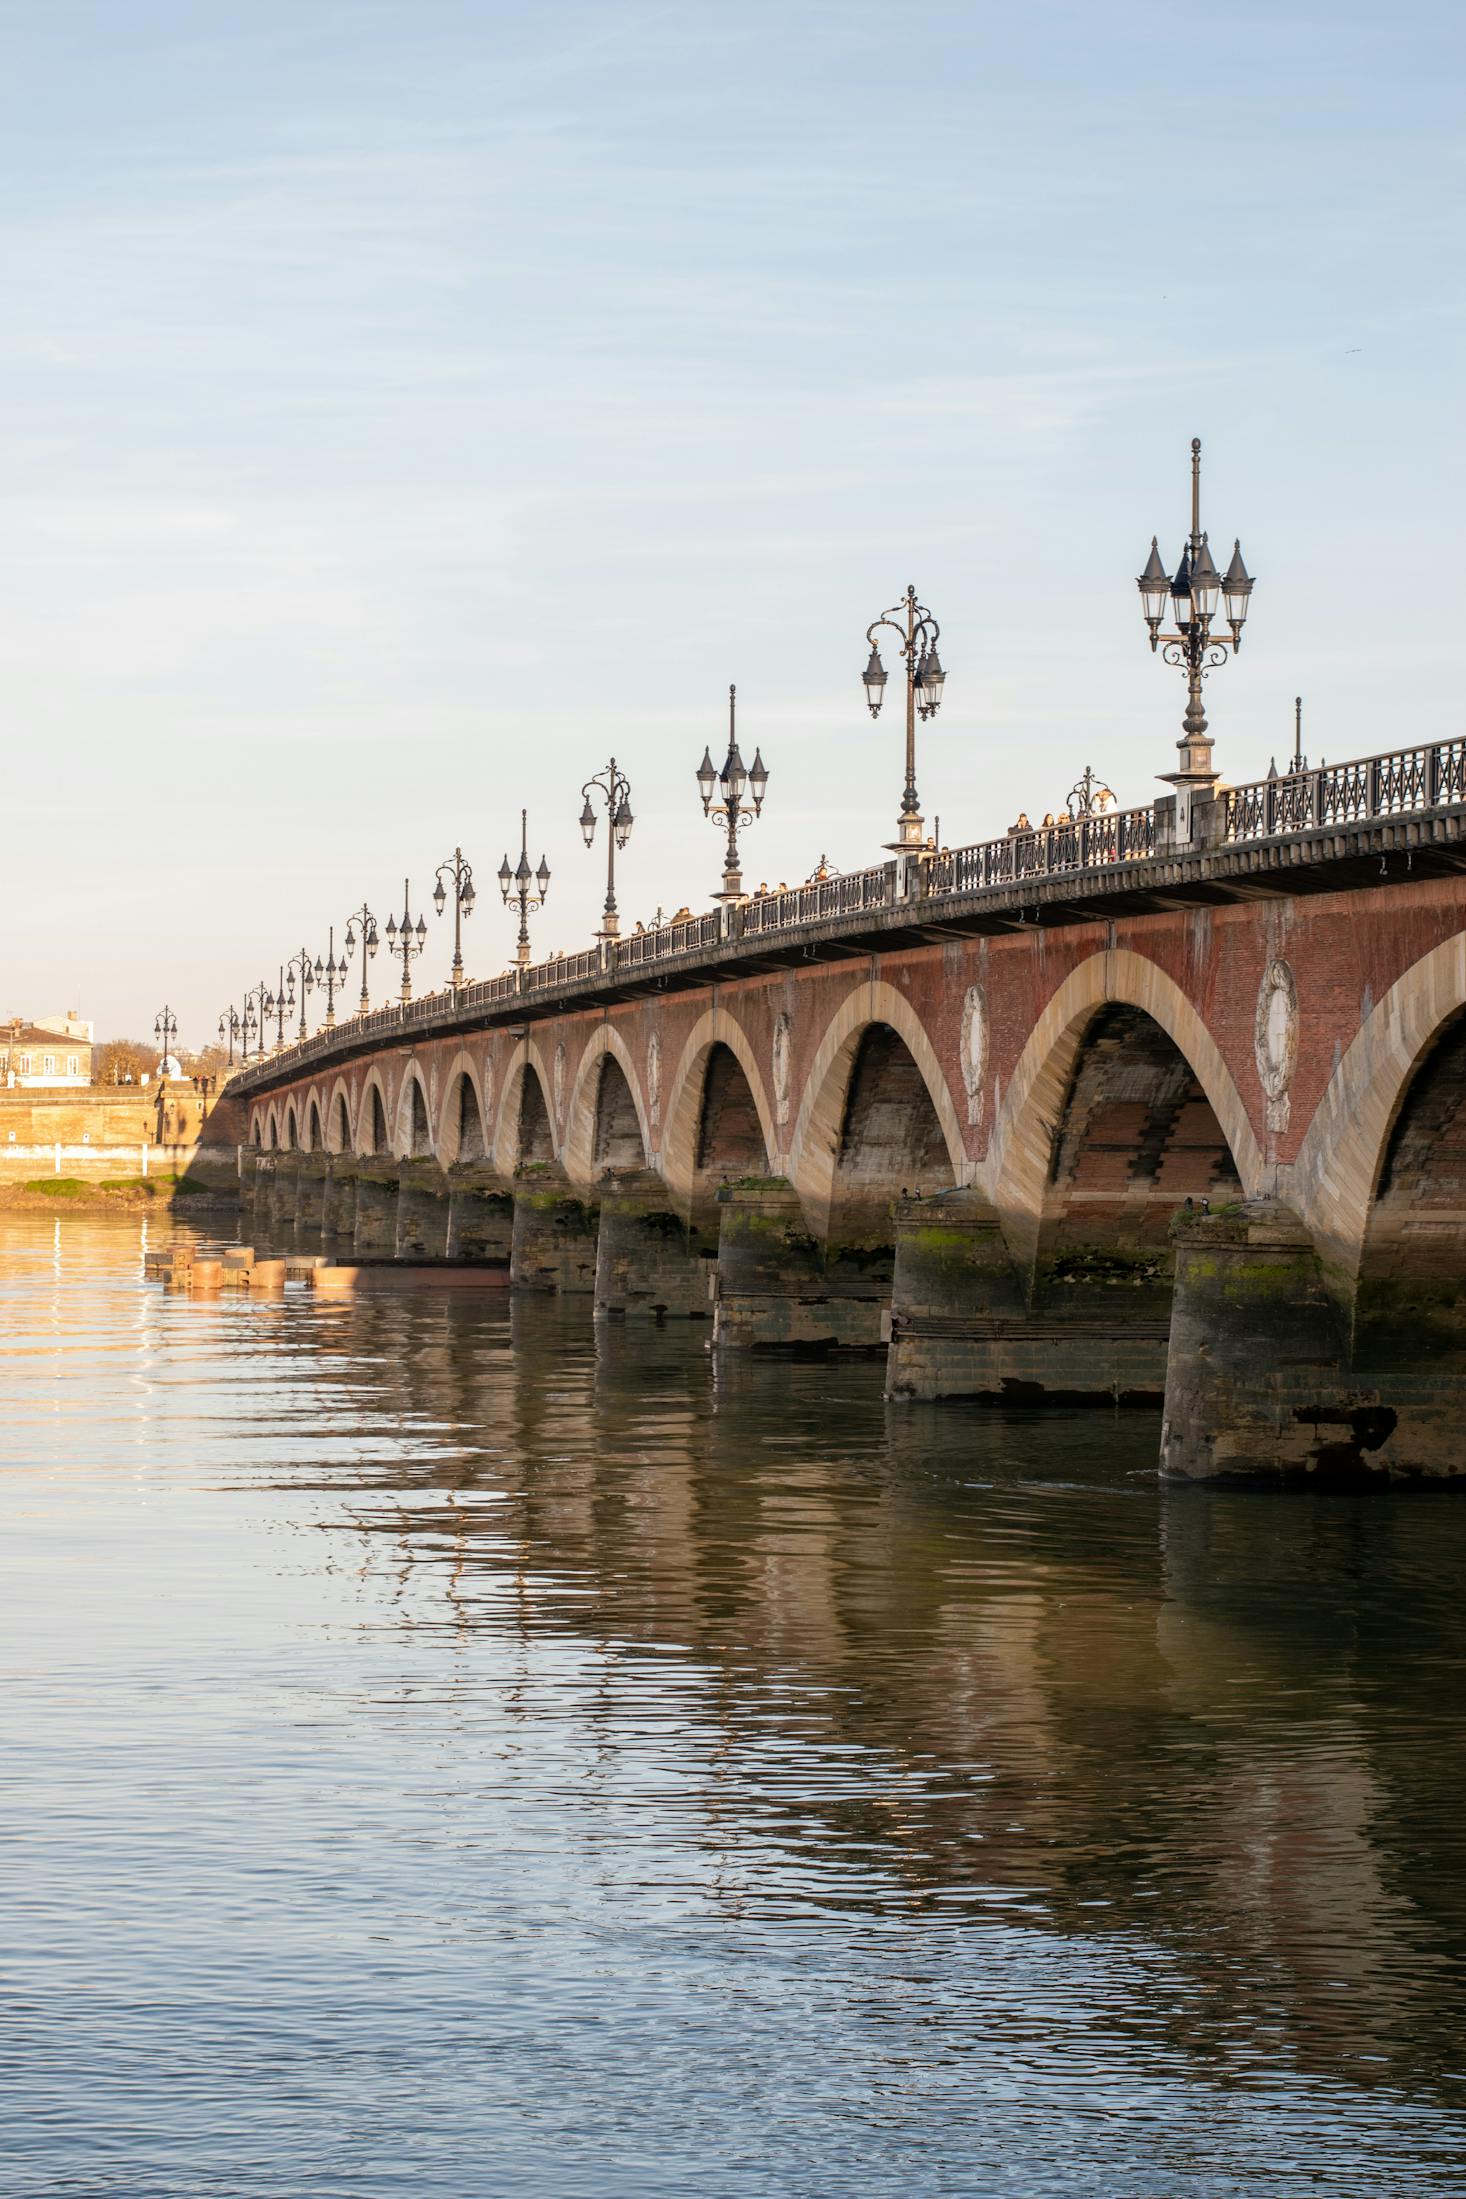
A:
x: 332, y: 974
x: 250, y: 1025
x: 1191, y: 595
x: 515, y: 886
x: 276, y: 1004
x: 165, y: 1031
x: 362, y: 920
x: 300, y: 965
x: 614, y: 789
x: 461, y: 889
x: 229, y: 1028
x: 731, y: 783
x: 917, y: 631
x: 406, y: 940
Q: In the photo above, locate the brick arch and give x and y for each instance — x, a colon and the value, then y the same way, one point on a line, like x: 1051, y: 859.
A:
x: 372, y: 1083
x: 404, y: 1140
x: 581, y: 1113
x: 461, y: 1072
x: 526, y: 1057
x: 257, y: 1128
x: 682, y: 1115
x: 814, y: 1148
x: 314, y: 1136
x: 1336, y: 1175
x: 1018, y: 1160
x: 291, y: 1136
x: 338, y: 1113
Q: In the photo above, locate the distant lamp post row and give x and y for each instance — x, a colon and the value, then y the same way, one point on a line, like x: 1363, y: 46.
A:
x: 917, y: 633
x: 613, y: 790
x: 731, y: 784
x: 1191, y: 595
x: 515, y: 886
x: 165, y: 1031
x: 405, y: 940
x: 461, y: 874
x: 332, y: 974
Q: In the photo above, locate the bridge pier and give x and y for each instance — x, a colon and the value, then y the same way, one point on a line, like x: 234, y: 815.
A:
x: 778, y: 1288
x: 649, y: 1261
x: 480, y: 1216
x: 338, y: 1209
x: 422, y: 1211
x: 375, y: 1228
x: 310, y: 1193
x: 555, y: 1226
x: 284, y: 1190
x: 1257, y: 1380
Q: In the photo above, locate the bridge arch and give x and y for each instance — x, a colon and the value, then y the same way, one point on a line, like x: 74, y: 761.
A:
x: 413, y: 1131
x: 291, y: 1139
x: 684, y: 1118
x: 313, y: 1138
x: 257, y: 1128
x: 1337, y: 1175
x: 371, y: 1117
x: 820, y: 1141
x: 338, y: 1120
x: 463, y: 1119
x: 524, y: 1127
x: 1022, y: 1154
x: 590, y: 1131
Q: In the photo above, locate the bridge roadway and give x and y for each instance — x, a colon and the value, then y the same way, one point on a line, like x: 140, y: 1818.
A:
x: 1071, y: 1115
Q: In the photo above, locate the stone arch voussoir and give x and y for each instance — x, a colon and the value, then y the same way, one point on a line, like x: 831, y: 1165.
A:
x: 527, y: 1055
x: 682, y: 1112
x: 1017, y: 1165
x: 815, y: 1145
x: 1336, y: 1175
x: 447, y: 1134
x: 578, y: 1152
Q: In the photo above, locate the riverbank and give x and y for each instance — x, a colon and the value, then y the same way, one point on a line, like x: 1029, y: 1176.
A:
x: 45, y: 1194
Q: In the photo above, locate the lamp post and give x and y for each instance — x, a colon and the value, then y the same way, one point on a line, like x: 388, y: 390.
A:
x: 917, y: 631
x: 229, y: 1030
x: 614, y: 789
x: 1192, y: 595
x: 165, y: 1031
x: 514, y: 886
x: 733, y: 781
x: 362, y: 920
x: 406, y: 939
x: 332, y: 974
x: 249, y: 1024
x: 300, y: 965
x: 461, y: 874
x: 275, y: 1005
x: 1088, y: 797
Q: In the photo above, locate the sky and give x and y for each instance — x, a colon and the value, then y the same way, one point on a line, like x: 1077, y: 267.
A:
x: 407, y: 405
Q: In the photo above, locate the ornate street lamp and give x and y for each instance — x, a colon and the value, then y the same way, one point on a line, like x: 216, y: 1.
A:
x: 275, y: 1005
x: 362, y: 920
x: 463, y: 898
x: 1191, y: 595
x: 332, y: 974
x: 614, y: 789
x: 1088, y: 797
x: 249, y: 1026
x: 406, y: 939
x: 229, y: 1027
x: 925, y: 679
x: 732, y: 783
x: 514, y: 885
x: 165, y: 1031
x: 300, y: 964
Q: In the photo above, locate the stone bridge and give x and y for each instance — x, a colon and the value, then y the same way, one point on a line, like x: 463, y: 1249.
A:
x: 1080, y: 1115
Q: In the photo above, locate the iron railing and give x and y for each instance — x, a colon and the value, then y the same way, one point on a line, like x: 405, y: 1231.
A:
x: 1405, y: 781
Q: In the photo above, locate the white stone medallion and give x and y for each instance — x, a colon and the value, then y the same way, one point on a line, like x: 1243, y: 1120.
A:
x: 783, y: 1047
x: 654, y: 1078
x: 1275, y: 1040
x: 974, y: 1050
x: 558, y: 1081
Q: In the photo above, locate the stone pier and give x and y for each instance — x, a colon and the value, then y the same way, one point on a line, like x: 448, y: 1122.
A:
x: 338, y: 1214
x: 377, y: 1188
x: 422, y: 1211
x: 310, y: 1190
x: 649, y: 1260
x: 480, y: 1215
x: 779, y: 1288
x: 554, y: 1240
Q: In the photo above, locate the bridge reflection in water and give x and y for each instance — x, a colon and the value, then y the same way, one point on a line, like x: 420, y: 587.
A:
x: 510, y: 1721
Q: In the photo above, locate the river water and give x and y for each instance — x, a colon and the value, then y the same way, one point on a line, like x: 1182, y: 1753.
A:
x: 450, y: 1752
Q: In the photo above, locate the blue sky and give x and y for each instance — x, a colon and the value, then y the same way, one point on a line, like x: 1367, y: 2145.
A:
x: 405, y: 406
